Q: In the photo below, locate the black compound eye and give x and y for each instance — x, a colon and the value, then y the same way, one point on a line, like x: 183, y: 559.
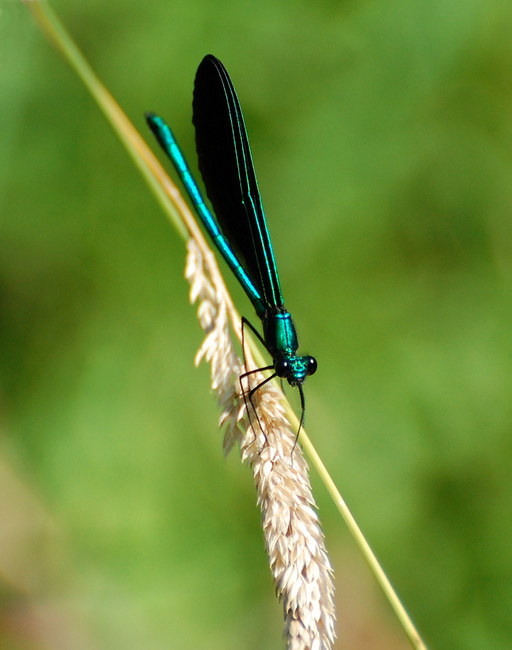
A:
x: 282, y: 368
x: 312, y: 366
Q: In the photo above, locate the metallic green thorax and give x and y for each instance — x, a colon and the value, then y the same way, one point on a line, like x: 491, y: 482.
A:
x: 281, y: 342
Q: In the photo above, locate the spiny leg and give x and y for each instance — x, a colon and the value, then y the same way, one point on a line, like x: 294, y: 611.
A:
x: 301, y: 422
x: 248, y: 394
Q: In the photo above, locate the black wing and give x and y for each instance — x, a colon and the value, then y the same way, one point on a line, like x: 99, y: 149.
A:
x: 225, y: 164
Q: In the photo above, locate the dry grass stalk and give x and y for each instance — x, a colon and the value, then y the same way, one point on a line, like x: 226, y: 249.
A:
x: 293, y: 537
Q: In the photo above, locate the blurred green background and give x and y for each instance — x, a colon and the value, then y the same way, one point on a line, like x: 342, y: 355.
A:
x: 382, y: 138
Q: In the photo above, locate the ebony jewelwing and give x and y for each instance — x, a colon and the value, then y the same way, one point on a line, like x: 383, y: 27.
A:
x: 239, y: 229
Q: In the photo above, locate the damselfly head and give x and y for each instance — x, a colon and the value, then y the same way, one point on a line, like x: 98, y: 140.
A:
x: 295, y: 369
